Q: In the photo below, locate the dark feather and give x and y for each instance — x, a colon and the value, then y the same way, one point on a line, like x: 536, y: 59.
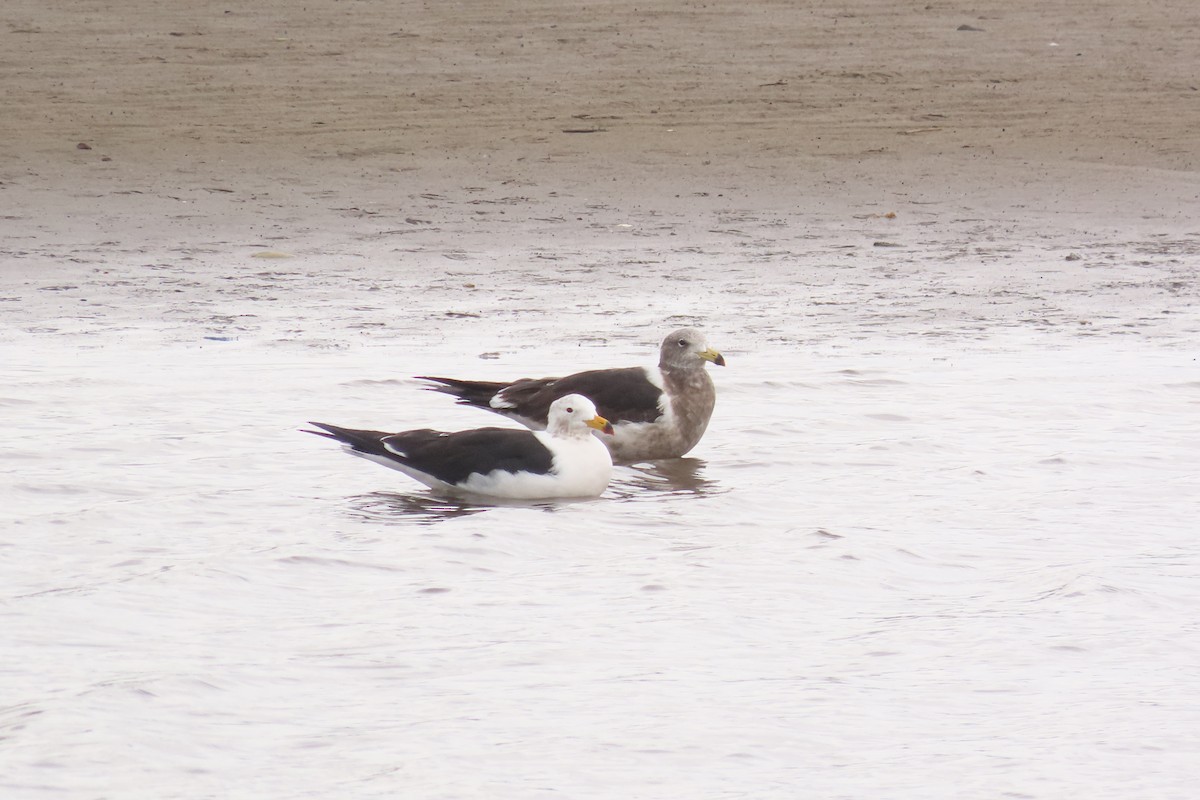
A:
x: 620, y: 395
x: 469, y: 393
x: 364, y: 441
x: 451, y: 457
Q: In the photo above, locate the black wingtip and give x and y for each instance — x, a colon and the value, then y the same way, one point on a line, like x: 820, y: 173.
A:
x: 448, y: 386
x: 468, y: 393
x: 318, y: 433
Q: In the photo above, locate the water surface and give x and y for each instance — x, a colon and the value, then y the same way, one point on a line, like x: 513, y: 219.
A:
x: 924, y: 550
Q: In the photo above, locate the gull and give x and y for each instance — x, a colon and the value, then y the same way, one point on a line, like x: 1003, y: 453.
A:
x: 562, y: 461
x: 656, y: 412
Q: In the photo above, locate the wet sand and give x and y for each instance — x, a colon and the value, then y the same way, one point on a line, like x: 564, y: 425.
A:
x: 455, y: 137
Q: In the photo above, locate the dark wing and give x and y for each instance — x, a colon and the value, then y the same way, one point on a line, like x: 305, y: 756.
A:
x: 454, y: 457
x: 469, y: 393
x: 620, y: 395
x: 361, y: 440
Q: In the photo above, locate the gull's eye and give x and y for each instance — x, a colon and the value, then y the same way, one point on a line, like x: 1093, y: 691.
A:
x: 570, y: 411
x: 683, y: 342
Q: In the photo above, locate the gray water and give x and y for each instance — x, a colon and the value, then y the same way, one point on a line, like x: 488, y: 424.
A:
x: 938, y: 542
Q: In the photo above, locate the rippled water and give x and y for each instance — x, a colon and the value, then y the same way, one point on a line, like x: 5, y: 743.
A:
x: 910, y: 559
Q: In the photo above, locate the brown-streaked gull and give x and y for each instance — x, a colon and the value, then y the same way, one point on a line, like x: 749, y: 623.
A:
x: 656, y: 412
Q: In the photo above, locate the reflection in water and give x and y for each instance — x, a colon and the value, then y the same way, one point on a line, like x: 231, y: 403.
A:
x: 675, y: 476
x: 429, y: 508
x: 648, y: 480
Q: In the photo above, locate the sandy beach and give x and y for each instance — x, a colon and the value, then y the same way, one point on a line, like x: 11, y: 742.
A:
x: 137, y: 132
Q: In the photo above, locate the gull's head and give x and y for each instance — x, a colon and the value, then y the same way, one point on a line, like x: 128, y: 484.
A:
x: 687, y: 348
x: 575, y: 415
